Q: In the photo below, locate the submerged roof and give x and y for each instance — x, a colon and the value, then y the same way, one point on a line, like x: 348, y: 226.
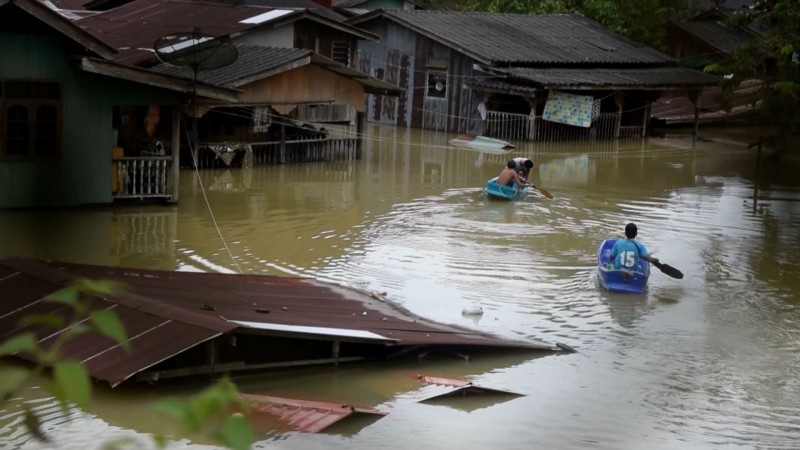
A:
x: 256, y: 63
x: 166, y: 313
x: 523, y: 39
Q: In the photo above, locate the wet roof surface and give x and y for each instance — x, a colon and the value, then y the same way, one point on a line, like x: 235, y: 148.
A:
x: 519, y: 39
x: 166, y: 313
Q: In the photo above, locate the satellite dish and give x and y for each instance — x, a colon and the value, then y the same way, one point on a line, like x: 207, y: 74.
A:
x: 195, y: 50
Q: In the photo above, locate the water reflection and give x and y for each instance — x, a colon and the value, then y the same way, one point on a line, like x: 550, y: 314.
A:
x: 680, y: 366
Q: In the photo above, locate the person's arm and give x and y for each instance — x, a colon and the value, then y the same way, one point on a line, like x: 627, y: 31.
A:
x: 645, y: 254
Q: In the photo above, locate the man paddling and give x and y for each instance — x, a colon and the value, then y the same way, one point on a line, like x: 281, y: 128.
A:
x: 509, y: 176
x: 523, y: 166
x: 627, y: 252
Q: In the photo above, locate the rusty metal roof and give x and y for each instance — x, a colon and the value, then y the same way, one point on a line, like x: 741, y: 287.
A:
x: 523, y: 39
x: 134, y: 27
x: 305, y: 415
x: 166, y: 313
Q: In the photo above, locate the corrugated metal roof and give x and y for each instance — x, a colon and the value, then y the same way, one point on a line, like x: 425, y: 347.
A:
x: 645, y: 78
x: 524, y: 39
x: 306, y: 415
x: 256, y: 62
x: 166, y: 313
x: 680, y: 110
x: 251, y: 62
x: 305, y: 4
x: 133, y: 28
x: 716, y: 34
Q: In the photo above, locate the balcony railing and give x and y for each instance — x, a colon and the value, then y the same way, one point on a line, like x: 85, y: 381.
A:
x: 142, y: 177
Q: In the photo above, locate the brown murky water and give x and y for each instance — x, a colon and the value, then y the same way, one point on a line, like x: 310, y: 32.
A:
x: 710, y: 361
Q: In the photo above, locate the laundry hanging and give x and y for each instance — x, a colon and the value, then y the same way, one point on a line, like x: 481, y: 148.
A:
x: 570, y: 109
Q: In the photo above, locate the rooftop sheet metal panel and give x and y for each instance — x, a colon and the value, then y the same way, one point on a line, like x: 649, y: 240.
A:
x: 253, y: 60
x: 520, y: 39
x: 295, y: 4
x: 716, y: 34
x: 134, y: 27
x: 654, y: 78
x: 167, y: 312
x: 305, y: 415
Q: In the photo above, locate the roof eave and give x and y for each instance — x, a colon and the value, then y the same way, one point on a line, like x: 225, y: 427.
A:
x: 65, y: 27
x: 150, y: 78
x: 371, y: 85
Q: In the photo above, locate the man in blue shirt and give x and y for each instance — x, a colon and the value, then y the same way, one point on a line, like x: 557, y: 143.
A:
x: 627, y: 252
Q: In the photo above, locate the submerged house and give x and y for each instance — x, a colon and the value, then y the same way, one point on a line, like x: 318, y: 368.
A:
x: 300, y: 99
x: 59, y: 89
x: 515, y: 76
x: 181, y: 324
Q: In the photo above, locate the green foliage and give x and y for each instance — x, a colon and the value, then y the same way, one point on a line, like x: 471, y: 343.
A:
x: 70, y: 383
x: 218, y: 404
x: 771, y: 56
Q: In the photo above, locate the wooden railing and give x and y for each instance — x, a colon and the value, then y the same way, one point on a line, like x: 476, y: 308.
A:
x: 142, y: 177
x: 507, y: 126
x: 520, y: 127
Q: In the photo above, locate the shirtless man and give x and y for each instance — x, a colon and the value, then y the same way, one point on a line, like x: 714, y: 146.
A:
x: 509, y: 175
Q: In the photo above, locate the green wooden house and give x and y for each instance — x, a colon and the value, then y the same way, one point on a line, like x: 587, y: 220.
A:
x: 62, y: 106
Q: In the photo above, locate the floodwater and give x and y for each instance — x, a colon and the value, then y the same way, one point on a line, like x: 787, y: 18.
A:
x: 709, y: 361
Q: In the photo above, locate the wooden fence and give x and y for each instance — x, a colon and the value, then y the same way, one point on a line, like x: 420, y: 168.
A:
x: 264, y: 153
x: 520, y: 127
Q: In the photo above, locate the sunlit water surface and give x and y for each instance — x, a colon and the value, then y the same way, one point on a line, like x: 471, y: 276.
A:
x: 710, y: 361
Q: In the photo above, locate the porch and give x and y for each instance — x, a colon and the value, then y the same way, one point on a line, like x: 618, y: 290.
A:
x: 530, y: 127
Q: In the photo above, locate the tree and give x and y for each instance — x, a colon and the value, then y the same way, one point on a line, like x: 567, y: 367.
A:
x: 772, y: 56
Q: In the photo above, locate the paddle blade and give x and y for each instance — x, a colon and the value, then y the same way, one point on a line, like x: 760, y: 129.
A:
x: 545, y: 193
x: 669, y: 270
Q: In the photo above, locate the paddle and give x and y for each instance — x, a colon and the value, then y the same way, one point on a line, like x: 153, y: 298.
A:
x: 542, y: 191
x: 669, y: 270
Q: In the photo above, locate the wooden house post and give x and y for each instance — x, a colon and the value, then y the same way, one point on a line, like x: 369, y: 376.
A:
x: 176, y: 150
x: 282, y: 147
x: 694, y: 96
x: 360, y: 119
x: 646, y: 119
x: 618, y: 100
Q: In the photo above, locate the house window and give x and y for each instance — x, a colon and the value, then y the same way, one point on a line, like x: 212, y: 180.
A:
x: 30, y: 115
x: 437, y: 84
x: 340, y: 52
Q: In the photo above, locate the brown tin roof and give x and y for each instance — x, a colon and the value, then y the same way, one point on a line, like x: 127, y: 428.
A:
x: 168, y: 313
x: 307, y: 416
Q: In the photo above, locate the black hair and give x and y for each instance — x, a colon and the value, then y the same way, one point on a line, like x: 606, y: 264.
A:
x: 528, y: 163
x: 511, y: 164
x: 631, y: 230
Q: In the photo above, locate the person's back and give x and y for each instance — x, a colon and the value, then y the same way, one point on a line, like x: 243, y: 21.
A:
x: 508, y: 176
x: 627, y: 252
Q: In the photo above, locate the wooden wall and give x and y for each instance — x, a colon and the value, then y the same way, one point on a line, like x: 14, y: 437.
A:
x: 307, y: 84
